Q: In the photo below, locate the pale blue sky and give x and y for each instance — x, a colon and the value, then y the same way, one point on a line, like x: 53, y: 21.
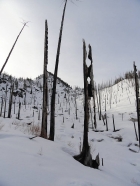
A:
x: 112, y: 27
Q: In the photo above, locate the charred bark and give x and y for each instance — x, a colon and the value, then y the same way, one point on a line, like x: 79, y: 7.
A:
x: 5, y: 101
x: 12, y: 49
x: 10, y: 101
x: 45, y: 86
x: 52, y: 117
x: 85, y: 156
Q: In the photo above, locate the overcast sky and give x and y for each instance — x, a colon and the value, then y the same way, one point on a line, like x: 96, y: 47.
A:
x: 112, y: 27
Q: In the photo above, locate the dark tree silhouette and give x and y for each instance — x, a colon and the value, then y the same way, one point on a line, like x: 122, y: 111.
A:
x: 85, y: 156
x: 45, y: 86
x: 12, y: 48
x: 10, y: 101
x: 52, y: 118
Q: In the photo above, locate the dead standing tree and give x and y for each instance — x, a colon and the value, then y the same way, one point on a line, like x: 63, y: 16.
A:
x: 85, y: 156
x: 75, y: 97
x: 1, y: 106
x: 91, y: 85
x: 99, y: 92
x: 97, y: 99
x: 10, y: 100
x: 45, y: 86
x: 52, y: 116
x: 5, y: 100
x: 12, y: 48
x: 137, y: 99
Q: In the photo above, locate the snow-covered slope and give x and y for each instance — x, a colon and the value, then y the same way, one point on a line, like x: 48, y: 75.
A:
x: 42, y: 162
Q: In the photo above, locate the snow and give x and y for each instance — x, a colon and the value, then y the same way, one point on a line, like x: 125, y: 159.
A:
x: 37, y: 161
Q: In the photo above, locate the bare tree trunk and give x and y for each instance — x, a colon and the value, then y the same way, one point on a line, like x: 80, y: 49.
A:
x: 1, y: 106
x: 113, y: 123
x: 91, y: 117
x: 97, y: 101
x: 5, y: 101
x: 100, y: 114
x: 93, y: 86
x: 15, y: 105
x: 39, y: 115
x: 137, y: 99
x: 25, y: 100
x: 85, y: 157
x: 106, y: 122
x: 111, y: 89
x: 103, y: 119
x: 45, y: 86
x: 52, y: 118
x: 10, y: 101
x: 86, y: 110
x: 18, y: 117
x: 12, y: 49
x: 105, y: 103
x: 135, y: 131
x: 76, y: 106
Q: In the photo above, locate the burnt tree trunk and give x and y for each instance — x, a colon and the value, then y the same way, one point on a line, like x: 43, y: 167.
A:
x: 91, y: 117
x: 135, y: 131
x: 85, y: 157
x: 25, y: 100
x: 111, y: 91
x: 39, y: 115
x: 15, y: 105
x: 100, y: 113
x: 103, y: 119
x: 105, y: 103
x: 106, y: 122
x: 93, y: 86
x: 18, y: 117
x: 5, y: 101
x: 52, y: 117
x: 45, y: 86
x: 97, y: 102
x: 10, y: 101
x: 113, y: 123
x: 12, y: 49
x: 137, y: 99
x: 75, y: 106
x: 1, y: 106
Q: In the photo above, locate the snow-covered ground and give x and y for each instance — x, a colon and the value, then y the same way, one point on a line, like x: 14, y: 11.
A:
x: 40, y: 162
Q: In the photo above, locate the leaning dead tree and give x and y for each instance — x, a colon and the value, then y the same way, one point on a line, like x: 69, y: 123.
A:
x: 12, y: 48
x: 85, y: 156
x: 45, y: 86
x: 52, y: 116
x: 137, y: 99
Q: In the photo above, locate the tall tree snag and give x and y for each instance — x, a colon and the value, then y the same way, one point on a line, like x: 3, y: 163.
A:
x: 137, y: 99
x: 52, y: 117
x: 45, y: 85
x: 85, y: 156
